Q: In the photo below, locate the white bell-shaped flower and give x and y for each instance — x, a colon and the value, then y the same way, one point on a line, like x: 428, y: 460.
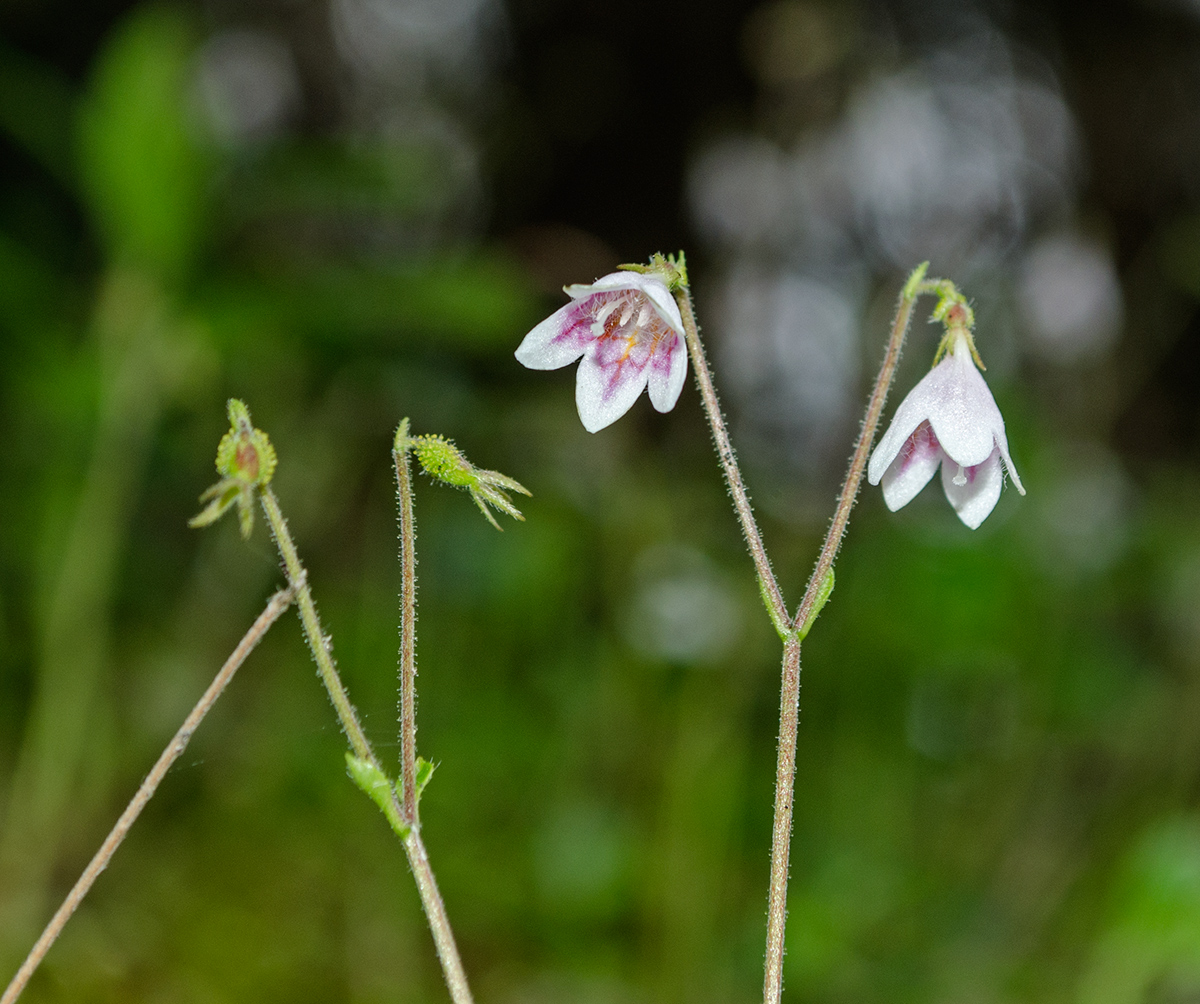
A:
x: 949, y: 418
x: 629, y: 332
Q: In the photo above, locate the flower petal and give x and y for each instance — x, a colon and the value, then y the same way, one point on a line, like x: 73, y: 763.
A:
x: 606, y: 387
x: 668, y: 370
x: 559, y: 340
x: 913, y: 410
x: 654, y: 288
x: 979, y: 492
x: 962, y: 411
x: 1002, y: 445
x: 914, y: 465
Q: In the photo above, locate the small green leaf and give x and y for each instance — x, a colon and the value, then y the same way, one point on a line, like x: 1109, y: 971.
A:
x: 823, y: 594
x: 370, y: 779
x: 425, y: 771
x: 375, y: 784
x: 782, y: 628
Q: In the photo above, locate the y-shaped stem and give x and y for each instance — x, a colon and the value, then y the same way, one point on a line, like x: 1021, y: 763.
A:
x: 414, y: 848
x: 789, y: 698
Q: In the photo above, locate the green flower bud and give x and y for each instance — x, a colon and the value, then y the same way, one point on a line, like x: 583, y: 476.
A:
x: 246, y: 462
x: 444, y: 462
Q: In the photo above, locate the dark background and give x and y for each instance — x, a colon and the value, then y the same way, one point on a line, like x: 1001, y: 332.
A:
x: 350, y: 211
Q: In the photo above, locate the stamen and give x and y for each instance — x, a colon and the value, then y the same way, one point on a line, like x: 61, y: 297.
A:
x: 643, y: 315
x: 607, y: 309
x: 627, y: 312
x: 960, y: 478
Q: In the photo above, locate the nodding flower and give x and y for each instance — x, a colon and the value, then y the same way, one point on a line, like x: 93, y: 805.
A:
x: 949, y: 418
x: 628, y: 333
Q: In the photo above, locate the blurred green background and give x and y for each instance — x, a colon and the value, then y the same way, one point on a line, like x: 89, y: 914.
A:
x: 348, y: 211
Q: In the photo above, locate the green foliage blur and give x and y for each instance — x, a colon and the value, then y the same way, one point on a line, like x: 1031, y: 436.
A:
x: 1000, y: 743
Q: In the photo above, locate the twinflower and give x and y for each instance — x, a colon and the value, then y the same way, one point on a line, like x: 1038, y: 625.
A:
x: 949, y: 418
x: 628, y: 330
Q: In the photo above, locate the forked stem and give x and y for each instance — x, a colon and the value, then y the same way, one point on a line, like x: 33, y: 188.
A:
x: 816, y: 592
x: 275, y: 607
x: 414, y: 848
x: 792, y: 629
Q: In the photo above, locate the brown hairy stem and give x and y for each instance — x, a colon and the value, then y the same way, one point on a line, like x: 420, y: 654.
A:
x: 792, y: 629
x: 408, y: 628
x: 275, y: 607
x: 789, y: 698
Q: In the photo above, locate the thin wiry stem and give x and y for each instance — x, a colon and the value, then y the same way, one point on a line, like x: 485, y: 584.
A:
x: 789, y: 699
x: 275, y: 607
x: 408, y: 628
x: 439, y: 920
x: 318, y: 642
x: 772, y: 596
x: 858, y: 461
x: 414, y: 848
x: 781, y: 830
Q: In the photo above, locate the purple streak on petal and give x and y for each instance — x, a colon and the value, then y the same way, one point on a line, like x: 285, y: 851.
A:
x: 651, y: 286
x: 915, y: 463
x: 610, y: 378
x: 559, y: 340
x: 979, y: 492
x: 668, y: 370
x: 913, y: 410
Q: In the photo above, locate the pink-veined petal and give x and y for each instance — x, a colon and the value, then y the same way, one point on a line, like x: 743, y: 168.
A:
x: 558, y: 340
x: 668, y: 370
x: 979, y: 492
x: 655, y: 289
x: 913, y: 410
x: 961, y: 409
x: 606, y: 385
x: 914, y: 465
